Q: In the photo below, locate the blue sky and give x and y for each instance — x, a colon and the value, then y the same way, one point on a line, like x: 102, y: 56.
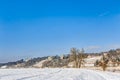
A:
x: 32, y: 28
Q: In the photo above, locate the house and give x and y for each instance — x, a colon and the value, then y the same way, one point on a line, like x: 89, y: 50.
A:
x: 118, y: 50
x: 50, y: 58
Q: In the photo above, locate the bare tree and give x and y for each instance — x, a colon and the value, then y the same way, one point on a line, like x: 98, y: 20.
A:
x: 77, y: 56
x: 73, y: 56
x: 80, y: 57
x: 104, y: 63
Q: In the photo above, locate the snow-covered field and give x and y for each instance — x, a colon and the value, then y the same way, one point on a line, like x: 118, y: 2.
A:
x: 56, y: 74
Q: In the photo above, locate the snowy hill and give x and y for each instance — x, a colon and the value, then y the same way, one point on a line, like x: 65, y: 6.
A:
x: 89, y: 62
x: 56, y: 74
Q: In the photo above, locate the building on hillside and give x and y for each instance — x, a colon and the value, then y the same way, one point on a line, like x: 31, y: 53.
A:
x: 105, y: 54
x: 50, y: 58
x: 118, y: 50
x: 62, y: 57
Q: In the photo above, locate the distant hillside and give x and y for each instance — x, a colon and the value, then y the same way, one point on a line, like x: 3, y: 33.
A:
x: 63, y: 61
x: 23, y: 63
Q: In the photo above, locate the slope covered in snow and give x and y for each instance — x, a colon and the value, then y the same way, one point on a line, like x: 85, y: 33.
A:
x: 56, y: 74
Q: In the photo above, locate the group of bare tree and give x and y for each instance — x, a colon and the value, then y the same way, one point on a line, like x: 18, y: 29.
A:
x: 77, y: 56
x: 111, y: 58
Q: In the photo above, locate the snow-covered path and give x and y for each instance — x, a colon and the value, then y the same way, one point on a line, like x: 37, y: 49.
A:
x: 56, y: 74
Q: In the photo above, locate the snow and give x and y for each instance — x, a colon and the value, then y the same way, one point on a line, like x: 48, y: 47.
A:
x: 89, y: 62
x: 3, y: 67
x: 93, y: 59
x: 40, y: 64
x: 56, y: 74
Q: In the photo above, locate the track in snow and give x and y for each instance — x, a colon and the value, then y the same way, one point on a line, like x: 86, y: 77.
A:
x: 56, y: 74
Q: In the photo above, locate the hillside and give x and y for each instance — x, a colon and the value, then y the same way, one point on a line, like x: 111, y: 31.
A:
x: 90, y: 60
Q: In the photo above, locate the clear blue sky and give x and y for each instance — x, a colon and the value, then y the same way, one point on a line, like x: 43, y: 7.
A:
x: 32, y: 28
